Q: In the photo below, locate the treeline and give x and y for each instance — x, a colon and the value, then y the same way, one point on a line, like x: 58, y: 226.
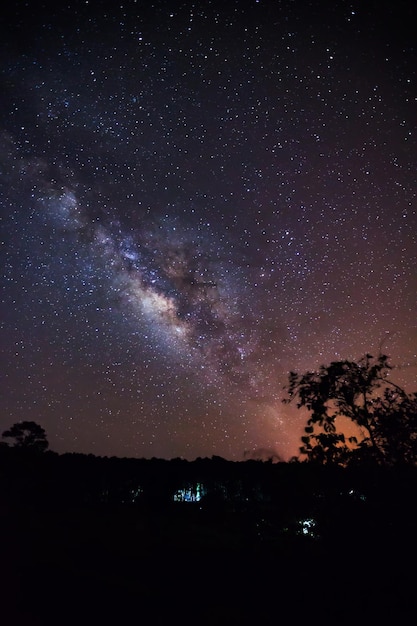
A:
x: 296, y: 490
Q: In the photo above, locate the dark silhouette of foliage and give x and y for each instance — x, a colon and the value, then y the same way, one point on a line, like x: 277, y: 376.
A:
x: 396, y: 425
x: 28, y: 436
x: 384, y: 414
x: 107, y: 534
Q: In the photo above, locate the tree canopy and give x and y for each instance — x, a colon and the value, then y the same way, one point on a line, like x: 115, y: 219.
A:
x: 385, y: 416
x: 27, y: 435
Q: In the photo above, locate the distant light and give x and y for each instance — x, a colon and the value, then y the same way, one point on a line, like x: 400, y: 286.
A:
x: 190, y: 493
x: 308, y: 526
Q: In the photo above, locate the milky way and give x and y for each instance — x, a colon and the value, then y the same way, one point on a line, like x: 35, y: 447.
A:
x: 196, y: 199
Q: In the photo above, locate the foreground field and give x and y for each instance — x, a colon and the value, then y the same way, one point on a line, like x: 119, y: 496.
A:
x: 317, y: 552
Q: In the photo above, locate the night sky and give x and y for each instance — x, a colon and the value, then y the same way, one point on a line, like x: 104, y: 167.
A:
x: 197, y: 198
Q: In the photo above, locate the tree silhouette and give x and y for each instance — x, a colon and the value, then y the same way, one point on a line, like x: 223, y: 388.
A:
x: 384, y: 414
x: 396, y: 425
x: 28, y: 436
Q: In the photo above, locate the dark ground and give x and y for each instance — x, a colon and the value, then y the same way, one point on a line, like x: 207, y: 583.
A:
x: 68, y: 562
x: 95, y: 566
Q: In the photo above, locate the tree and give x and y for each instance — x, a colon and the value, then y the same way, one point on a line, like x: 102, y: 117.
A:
x: 396, y: 426
x: 384, y: 414
x: 28, y: 436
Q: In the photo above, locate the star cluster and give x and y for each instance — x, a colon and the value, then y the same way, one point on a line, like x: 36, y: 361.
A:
x: 197, y: 198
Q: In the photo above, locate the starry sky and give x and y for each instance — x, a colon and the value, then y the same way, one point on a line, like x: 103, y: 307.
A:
x: 196, y: 198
